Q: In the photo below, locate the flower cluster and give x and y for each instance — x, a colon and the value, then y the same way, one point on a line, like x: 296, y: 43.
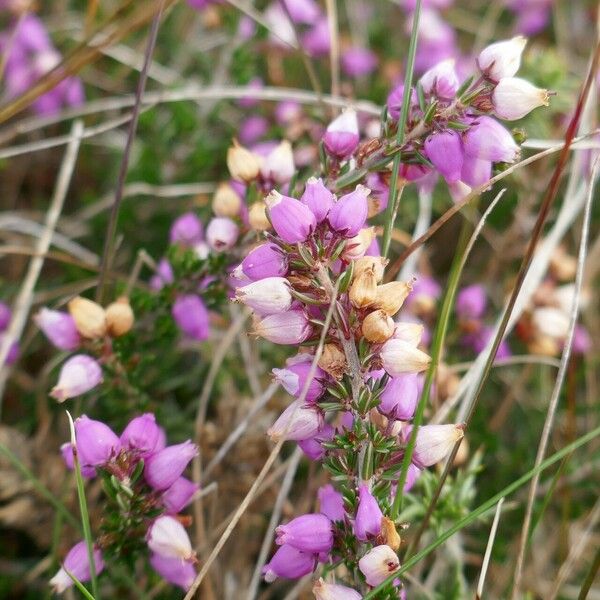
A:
x: 87, y: 326
x: 471, y: 305
x: 147, y: 491
x: 31, y: 55
x: 464, y: 139
x: 545, y: 324
x: 354, y: 401
x: 360, y: 396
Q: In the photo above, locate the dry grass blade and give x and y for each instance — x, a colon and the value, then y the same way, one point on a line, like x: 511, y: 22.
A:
x: 488, y: 551
x: 282, y: 495
x: 24, y: 299
x: 562, y: 371
x: 270, y: 460
x: 114, y: 215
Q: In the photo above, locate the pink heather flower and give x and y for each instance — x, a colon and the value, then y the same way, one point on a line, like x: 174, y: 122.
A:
x: 426, y: 290
x: 168, y: 538
x: 293, y: 221
x: 341, y: 137
x: 287, y: 111
x: 278, y: 165
x: 163, y: 276
x: 502, y: 59
x: 59, y: 328
x: 13, y: 351
x: 186, y: 230
x: 252, y: 129
x: 444, y: 149
x: 66, y: 451
x: 359, y: 62
x: 308, y: 533
x: 77, y: 563
x: 437, y: 39
x: 513, y: 98
x: 295, y: 375
x: 474, y: 172
x: 399, y: 357
x: 434, y: 443
x: 334, y: 591
x: 487, y: 139
x: 174, y: 570
x: 96, y: 442
x: 291, y: 327
x: 289, y: 563
x: 348, y: 215
x: 412, y: 474
x: 313, y: 447
x: 266, y: 260
x: 78, y: 375
x: 303, y: 11
x: 368, y: 515
x: 317, y: 41
x: 399, y: 399
x: 441, y: 80
x: 267, y: 296
x: 249, y: 101
x: 318, y: 198
x: 479, y: 341
x: 410, y: 332
x: 164, y: 468
x: 179, y: 495
x: 142, y: 434
x: 582, y: 341
x: 331, y: 503
x: 222, y: 234
x: 378, y: 564
x: 32, y: 56
x: 471, y: 302
x: 394, y: 101
x: 297, y: 422
x: 191, y: 316
x: 5, y: 316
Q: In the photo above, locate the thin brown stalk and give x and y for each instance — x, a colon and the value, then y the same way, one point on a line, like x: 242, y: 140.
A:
x: 456, y: 208
x: 562, y: 371
x: 109, y: 241
x: 550, y: 195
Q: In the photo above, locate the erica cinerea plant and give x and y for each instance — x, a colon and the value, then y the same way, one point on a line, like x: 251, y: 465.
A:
x: 145, y: 490
x: 355, y: 399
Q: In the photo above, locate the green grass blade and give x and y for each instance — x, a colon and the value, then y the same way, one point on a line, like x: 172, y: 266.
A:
x: 484, y: 508
x: 436, y: 351
x: 80, y: 585
x: 394, y: 196
x: 85, y: 517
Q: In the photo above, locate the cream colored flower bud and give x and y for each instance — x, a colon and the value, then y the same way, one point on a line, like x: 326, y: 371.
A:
x: 119, y: 317
x: 89, y: 317
x: 377, y: 263
x: 391, y: 296
x: 544, y: 345
x: 378, y: 327
x: 563, y: 266
x: 409, y: 332
x: 257, y: 217
x: 359, y: 244
x: 243, y: 165
x: 389, y: 535
x: 226, y: 202
x: 333, y: 361
x: 364, y: 289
